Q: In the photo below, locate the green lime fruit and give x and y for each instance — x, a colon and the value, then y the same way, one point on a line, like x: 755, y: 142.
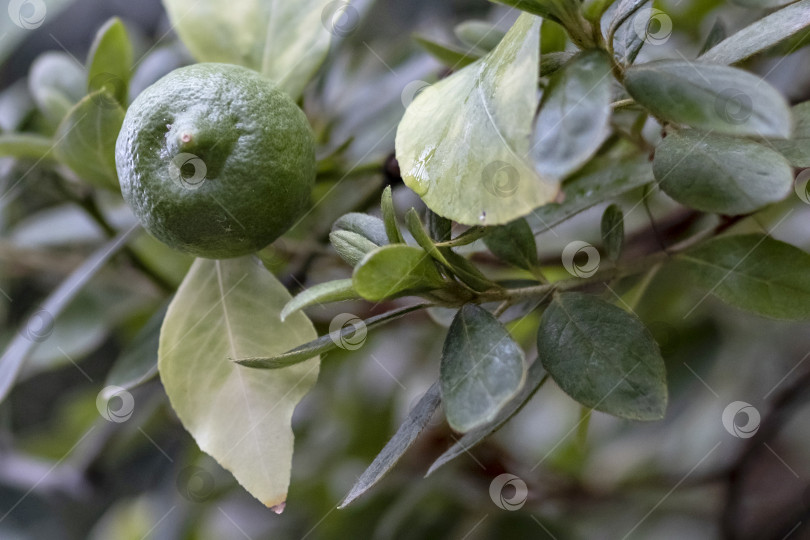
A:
x: 215, y: 160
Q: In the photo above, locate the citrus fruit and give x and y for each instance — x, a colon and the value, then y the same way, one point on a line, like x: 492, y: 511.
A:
x: 215, y: 160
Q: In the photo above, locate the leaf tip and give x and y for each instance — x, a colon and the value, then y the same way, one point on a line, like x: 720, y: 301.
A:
x: 278, y: 508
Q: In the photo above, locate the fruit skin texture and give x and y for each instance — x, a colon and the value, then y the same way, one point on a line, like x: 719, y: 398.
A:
x: 215, y: 160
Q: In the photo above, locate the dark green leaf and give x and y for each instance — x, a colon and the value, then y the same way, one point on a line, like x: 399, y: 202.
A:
x: 326, y: 343
x: 535, y: 376
x: 606, y: 180
x: 441, y: 229
x: 613, y: 231
x: 85, y: 140
x: 138, y: 362
x: 394, y: 270
x: 718, y: 98
x: 322, y: 293
x: 603, y: 357
x: 724, y: 175
x: 513, y: 243
x: 761, y: 35
x: 110, y: 60
x: 403, y: 439
x: 574, y: 115
x: 752, y: 272
x: 482, y: 369
x: 797, y: 148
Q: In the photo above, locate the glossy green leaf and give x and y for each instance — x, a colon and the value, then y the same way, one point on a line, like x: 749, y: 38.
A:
x: 535, y: 377
x: 138, y: 362
x: 56, y: 82
x: 326, y: 343
x: 421, y: 236
x: 449, y: 55
x: 466, y: 271
x: 605, y: 180
x: 241, y: 417
x: 797, y: 148
x: 482, y: 369
x: 36, y: 325
x: 479, y: 34
x: 752, y: 272
x: 322, y: 293
x: 603, y: 357
x: 394, y: 270
x: 761, y: 35
x: 724, y: 175
x: 463, y: 142
x: 440, y: 229
x: 368, y: 226
x: 85, y: 140
x: 406, y: 435
x: 718, y: 98
x: 513, y: 243
x: 110, y: 60
x: 613, y: 231
x: 574, y: 115
x: 390, y: 217
x: 287, y: 40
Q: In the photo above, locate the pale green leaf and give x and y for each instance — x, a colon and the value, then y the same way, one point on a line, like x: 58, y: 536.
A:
x: 761, y: 35
x: 449, y: 55
x: 85, y: 140
x: 322, y: 293
x: 241, y: 417
x: 707, y: 96
x: 603, y: 357
x: 482, y: 369
x: 394, y: 270
x: 797, y: 148
x: 110, y: 60
x: 286, y: 40
x: 25, y: 146
x: 718, y: 174
x: 574, y: 115
x: 479, y: 34
x: 463, y: 143
x: 390, y: 217
x: 138, y: 362
x: 752, y: 272
x: 56, y: 82
x: 368, y: 226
